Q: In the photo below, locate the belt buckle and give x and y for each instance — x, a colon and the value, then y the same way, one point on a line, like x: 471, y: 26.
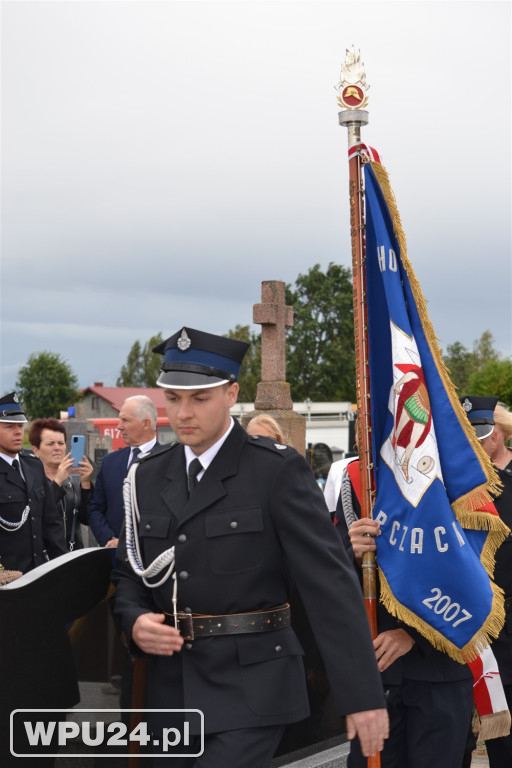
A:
x: 187, y: 617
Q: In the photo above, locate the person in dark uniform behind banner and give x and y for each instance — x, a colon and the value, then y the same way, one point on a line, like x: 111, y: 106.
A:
x: 244, y: 519
x: 31, y: 533
x: 429, y: 695
x: 482, y: 412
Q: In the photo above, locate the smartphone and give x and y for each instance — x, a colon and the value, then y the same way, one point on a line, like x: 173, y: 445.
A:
x: 77, y: 448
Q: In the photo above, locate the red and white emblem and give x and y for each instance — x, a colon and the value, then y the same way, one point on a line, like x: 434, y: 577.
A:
x: 352, y: 97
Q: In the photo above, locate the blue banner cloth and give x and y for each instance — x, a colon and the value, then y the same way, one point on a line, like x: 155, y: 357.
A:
x: 432, y: 478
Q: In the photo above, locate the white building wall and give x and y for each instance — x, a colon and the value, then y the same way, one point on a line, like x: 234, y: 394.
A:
x: 325, y: 423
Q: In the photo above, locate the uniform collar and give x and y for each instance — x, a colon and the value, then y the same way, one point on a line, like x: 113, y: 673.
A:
x: 208, y: 456
x: 9, y: 459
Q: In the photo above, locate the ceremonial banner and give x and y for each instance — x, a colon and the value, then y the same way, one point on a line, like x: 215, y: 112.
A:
x: 432, y: 478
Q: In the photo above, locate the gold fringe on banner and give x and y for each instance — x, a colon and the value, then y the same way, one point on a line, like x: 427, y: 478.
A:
x: 495, y: 725
x: 469, y: 652
x: 7, y: 576
x: 483, y: 494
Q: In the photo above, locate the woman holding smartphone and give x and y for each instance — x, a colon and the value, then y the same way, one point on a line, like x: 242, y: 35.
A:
x: 71, y: 492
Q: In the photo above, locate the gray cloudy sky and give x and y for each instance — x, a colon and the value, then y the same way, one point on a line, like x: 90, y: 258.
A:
x: 161, y: 159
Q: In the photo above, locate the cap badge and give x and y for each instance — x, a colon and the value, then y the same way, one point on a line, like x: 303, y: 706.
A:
x: 183, y: 341
x: 15, y: 398
x: 467, y: 405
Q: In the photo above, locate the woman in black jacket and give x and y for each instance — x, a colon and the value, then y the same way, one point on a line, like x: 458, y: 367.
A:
x: 72, y: 492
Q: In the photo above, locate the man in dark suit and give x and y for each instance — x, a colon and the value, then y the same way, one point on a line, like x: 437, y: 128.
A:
x: 137, y: 424
x: 245, y: 520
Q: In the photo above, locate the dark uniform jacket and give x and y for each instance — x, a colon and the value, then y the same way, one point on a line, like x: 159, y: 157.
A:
x: 36, y: 663
x: 256, y: 522
x: 42, y: 536
x: 502, y: 647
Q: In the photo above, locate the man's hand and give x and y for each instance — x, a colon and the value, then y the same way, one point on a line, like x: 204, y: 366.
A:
x: 372, y: 727
x: 153, y: 636
x: 390, y: 645
x: 362, y: 536
x: 113, y: 542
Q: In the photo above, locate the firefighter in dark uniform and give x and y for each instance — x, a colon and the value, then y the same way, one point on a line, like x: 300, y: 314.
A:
x: 242, y: 524
x: 31, y: 530
x: 36, y: 665
x: 480, y: 412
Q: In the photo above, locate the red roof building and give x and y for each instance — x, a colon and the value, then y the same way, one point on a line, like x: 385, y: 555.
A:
x: 101, y: 402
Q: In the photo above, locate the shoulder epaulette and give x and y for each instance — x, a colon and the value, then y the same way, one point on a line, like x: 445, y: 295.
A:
x: 270, y: 445
x: 27, y: 454
x: 157, y: 451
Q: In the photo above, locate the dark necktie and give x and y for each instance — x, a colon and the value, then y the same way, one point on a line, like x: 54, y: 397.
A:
x: 194, y: 469
x: 134, y: 455
x: 17, y: 467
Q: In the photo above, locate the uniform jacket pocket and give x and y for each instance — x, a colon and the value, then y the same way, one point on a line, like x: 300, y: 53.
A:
x: 235, y: 540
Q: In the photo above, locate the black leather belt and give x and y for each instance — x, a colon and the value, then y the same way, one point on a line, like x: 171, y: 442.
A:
x: 194, y: 625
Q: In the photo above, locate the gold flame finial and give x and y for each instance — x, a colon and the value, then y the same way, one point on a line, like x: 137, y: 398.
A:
x: 352, y: 87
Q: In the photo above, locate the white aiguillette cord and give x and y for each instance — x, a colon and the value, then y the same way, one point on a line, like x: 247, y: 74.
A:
x: 9, y: 526
x: 132, y: 519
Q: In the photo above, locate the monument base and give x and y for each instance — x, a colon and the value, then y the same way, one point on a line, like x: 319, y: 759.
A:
x: 274, y: 395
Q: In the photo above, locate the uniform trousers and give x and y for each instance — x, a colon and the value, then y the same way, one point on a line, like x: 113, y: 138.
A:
x: 499, y: 751
x: 243, y: 748
x: 428, y: 725
x: 22, y: 746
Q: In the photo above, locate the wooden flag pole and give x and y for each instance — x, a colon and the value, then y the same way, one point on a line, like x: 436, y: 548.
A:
x: 352, y: 98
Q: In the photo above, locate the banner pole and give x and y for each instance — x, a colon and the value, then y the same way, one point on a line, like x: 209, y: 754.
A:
x: 352, y: 97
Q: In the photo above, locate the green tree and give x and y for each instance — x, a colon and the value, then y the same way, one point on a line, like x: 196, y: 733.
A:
x: 130, y: 375
x: 250, y: 371
x: 460, y: 362
x: 483, y: 350
x: 463, y: 364
x: 320, y: 344
x: 494, y: 379
x: 46, y: 385
x: 142, y: 366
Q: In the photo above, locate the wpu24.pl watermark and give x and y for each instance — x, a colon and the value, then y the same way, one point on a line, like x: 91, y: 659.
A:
x: 104, y: 732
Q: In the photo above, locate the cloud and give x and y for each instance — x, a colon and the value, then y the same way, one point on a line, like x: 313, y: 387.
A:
x: 160, y: 160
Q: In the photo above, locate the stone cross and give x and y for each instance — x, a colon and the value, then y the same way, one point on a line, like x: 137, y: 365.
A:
x: 273, y: 392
